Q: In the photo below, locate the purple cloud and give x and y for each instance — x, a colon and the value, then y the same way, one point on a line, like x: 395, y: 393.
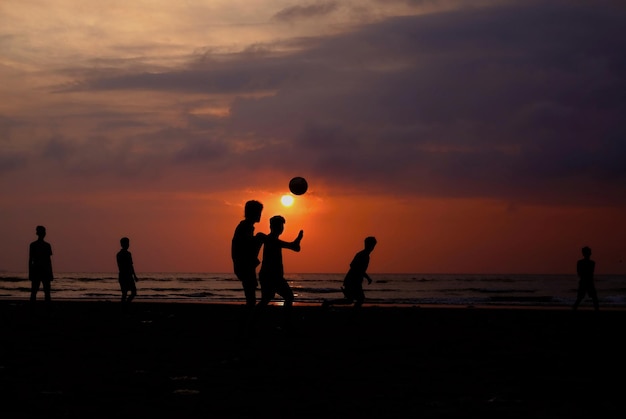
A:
x: 518, y: 101
x: 298, y: 12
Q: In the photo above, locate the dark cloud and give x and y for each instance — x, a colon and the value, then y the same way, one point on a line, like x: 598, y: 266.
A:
x: 12, y: 161
x: 120, y: 123
x: 466, y: 103
x: 298, y: 12
x: 96, y: 156
x: 520, y: 101
x: 247, y: 73
x: 203, y: 152
x: 6, y: 128
x: 57, y: 150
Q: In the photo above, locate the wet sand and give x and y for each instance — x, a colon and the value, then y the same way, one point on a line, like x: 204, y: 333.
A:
x: 177, y: 360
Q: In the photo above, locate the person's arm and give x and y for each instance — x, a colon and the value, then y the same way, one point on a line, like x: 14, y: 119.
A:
x: 359, y: 265
x: 366, y: 276
x: 294, y: 245
x: 30, y: 261
x: 50, y: 263
x: 259, y: 239
x: 593, y: 270
x: 257, y: 242
x: 132, y: 269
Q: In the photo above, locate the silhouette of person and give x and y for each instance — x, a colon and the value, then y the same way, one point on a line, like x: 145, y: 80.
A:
x: 586, y: 285
x: 40, y: 265
x: 272, y: 274
x: 353, y: 282
x: 127, y: 276
x: 245, y: 249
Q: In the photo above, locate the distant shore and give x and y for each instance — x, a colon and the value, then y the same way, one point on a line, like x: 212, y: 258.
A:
x: 91, y: 359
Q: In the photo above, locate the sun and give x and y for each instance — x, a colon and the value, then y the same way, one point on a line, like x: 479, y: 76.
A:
x: 286, y: 200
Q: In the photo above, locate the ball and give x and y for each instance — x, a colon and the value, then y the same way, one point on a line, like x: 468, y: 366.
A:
x: 298, y: 185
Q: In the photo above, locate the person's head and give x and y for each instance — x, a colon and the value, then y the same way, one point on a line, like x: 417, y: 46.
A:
x: 586, y: 251
x: 40, y: 231
x: 370, y: 243
x: 252, y: 210
x: 125, y: 242
x: 277, y: 224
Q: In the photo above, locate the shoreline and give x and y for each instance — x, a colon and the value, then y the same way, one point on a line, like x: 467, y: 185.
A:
x: 463, y: 290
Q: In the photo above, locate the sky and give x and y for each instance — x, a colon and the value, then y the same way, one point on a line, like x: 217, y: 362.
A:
x: 467, y: 137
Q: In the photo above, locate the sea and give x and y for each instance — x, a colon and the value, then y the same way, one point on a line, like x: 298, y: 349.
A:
x: 310, y: 289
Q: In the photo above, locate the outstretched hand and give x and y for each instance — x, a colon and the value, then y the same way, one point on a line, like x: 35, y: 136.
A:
x: 300, y: 235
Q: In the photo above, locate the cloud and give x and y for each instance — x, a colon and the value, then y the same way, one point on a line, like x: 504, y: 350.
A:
x: 247, y: 71
x: 6, y: 127
x: 93, y: 157
x: 10, y: 161
x: 472, y: 102
x: 298, y: 12
x: 521, y: 100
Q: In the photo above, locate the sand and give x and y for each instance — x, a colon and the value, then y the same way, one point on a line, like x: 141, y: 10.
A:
x: 179, y: 360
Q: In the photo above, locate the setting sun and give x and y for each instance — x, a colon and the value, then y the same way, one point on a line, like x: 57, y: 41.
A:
x: 286, y: 200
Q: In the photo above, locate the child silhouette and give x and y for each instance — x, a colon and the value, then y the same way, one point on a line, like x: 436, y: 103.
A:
x: 40, y: 265
x: 127, y: 276
x: 271, y: 274
x: 353, y: 282
x: 586, y: 284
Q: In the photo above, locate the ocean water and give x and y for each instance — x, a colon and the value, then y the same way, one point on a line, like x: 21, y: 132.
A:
x: 404, y: 289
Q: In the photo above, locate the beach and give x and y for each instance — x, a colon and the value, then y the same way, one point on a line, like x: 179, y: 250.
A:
x: 91, y: 359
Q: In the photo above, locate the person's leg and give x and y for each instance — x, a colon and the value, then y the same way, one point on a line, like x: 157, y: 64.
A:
x: 284, y: 290
x: 249, y: 285
x: 267, y: 294
x: 580, y: 294
x: 249, y: 291
x: 359, y: 298
x: 34, y: 288
x: 133, y: 290
x: 259, y: 312
x: 594, y: 297
x: 46, y: 290
x: 346, y: 300
x: 123, y: 290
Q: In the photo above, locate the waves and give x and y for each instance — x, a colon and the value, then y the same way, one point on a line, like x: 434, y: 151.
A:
x: 404, y: 289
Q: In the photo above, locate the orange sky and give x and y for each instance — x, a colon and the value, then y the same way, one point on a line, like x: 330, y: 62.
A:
x: 192, y: 233
x: 463, y: 141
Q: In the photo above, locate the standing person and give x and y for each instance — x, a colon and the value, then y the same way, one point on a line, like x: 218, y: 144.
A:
x: 245, y: 248
x: 586, y: 285
x: 127, y: 276
x: 272, y: 273
x: 40, y: 265
x: 353, y: 282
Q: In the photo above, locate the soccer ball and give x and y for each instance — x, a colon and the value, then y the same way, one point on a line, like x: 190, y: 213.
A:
x: 298, y: 185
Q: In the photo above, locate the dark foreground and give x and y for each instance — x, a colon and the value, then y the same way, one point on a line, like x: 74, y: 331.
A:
x: 89, y: 360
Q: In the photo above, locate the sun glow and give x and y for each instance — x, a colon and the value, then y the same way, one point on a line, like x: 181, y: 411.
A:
x: 286, y: 200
